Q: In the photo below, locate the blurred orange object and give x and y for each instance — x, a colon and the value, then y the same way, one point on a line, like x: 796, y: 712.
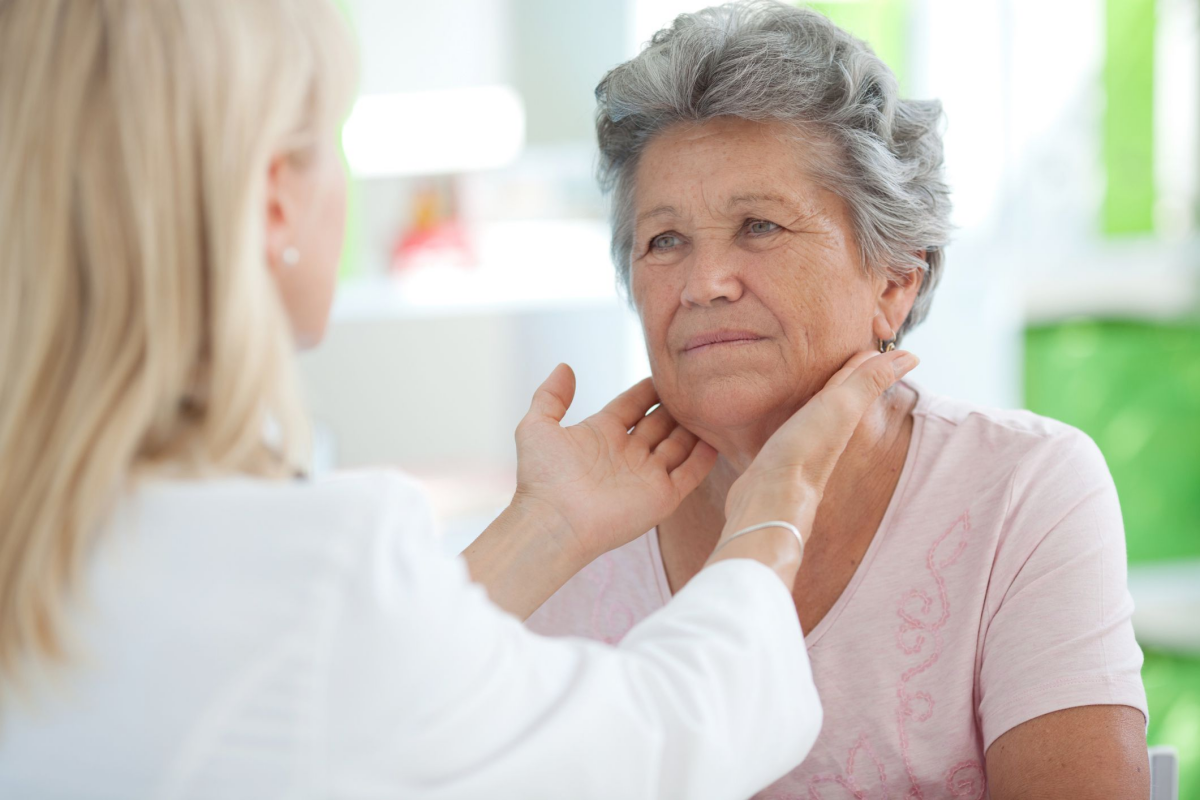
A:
x: 435, y: 235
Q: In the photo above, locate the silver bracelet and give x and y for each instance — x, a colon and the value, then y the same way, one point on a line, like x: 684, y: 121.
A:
x: 777, y: 523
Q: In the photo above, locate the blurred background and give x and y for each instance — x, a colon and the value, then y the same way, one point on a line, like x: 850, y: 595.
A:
x: 477, y: 254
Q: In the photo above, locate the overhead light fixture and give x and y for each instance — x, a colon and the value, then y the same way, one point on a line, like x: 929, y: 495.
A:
x: 432, y: 133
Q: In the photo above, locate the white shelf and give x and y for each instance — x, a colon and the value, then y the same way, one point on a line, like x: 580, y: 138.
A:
x: 1137, y: 278
x: 1167, y: 605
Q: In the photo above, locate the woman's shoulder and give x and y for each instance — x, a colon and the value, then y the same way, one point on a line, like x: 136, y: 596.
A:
x: 306, y: 517
x: 363, y: 492
x: 382, y: 494
x: 1012, y: 438
x: 1031, y: 471
x: 960, y: 413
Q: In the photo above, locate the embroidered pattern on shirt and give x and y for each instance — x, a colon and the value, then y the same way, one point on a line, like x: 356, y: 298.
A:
x: 921, y: 624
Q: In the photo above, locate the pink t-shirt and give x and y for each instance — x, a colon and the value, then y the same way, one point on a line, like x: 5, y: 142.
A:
x: 993, y: 592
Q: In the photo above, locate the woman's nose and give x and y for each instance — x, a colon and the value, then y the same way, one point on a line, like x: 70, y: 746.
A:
x: 712, y: 276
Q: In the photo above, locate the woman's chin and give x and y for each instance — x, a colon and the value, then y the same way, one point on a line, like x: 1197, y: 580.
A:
x: 719, y: 409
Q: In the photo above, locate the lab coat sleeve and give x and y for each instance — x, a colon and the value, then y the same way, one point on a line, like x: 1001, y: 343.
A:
x: 434, y: 692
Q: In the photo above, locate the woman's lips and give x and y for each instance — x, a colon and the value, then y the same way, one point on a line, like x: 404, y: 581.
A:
x: 714, y: 339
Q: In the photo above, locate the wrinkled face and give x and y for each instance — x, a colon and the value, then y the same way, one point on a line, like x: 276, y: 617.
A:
x: 745, y: 274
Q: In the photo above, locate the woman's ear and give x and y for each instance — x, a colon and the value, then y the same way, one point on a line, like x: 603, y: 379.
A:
x: 283, y: 189
x: 898, y: 297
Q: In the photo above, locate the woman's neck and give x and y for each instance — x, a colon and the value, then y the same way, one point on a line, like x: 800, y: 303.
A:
x: 857, y: 493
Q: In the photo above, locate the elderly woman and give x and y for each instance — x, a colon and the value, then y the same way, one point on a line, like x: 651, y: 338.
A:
x: 777, y: 207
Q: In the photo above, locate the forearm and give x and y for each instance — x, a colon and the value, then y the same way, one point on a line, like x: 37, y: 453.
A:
x: 522, y: 558
x: 518, y: 715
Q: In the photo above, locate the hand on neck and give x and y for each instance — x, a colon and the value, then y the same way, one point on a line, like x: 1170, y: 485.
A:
x: 877, y: 432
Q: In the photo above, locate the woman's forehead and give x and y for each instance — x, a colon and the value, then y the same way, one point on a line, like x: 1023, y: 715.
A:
x: 776, y: 195
x: 723, y: 165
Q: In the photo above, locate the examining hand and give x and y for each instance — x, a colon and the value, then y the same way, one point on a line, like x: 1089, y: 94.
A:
x: 613, y: 476
x: 805, y: 449
x: 787, y: 478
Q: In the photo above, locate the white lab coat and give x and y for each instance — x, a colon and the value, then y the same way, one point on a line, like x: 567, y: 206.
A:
x: 252, y: 639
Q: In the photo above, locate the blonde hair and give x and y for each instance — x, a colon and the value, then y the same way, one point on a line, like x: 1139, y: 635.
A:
x: 139, y: 326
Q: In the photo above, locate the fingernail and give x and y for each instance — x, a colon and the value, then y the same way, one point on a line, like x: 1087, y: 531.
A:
x: 904, y: 364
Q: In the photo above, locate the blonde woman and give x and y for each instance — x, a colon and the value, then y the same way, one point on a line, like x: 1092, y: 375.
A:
x: 181, y: 613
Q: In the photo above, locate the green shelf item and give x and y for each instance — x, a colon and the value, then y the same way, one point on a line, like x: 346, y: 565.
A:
x: 1127, y: 132
x: 351, y: 259
x: 1134, y: 387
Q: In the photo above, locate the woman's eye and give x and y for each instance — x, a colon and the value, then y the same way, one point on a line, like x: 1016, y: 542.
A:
x: 761, y: 226
x: 664, y: 241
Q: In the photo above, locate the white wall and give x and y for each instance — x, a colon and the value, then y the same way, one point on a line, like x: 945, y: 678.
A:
x: 410, y: 46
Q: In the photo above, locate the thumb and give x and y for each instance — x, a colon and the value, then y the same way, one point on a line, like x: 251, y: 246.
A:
x: 554, y: 396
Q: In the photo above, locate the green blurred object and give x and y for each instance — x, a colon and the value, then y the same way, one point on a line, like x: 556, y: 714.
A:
x: 1134, y: 387
x: 883, y: 24
x: 1127, y: 131
x: 351, y: 263
x: 1173, y: 691
x: 1128, y: 128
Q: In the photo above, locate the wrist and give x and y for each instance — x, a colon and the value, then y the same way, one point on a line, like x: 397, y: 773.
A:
x: 542, y: 522
x: 774, y: 547
x: 787, y: 498
x: 523, y: 557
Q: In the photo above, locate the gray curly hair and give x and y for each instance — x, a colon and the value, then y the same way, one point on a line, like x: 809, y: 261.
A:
x: 765, y: 61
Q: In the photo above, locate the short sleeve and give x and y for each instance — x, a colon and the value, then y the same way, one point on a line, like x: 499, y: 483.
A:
x: 434, y: 692
x: 1058, y: 611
